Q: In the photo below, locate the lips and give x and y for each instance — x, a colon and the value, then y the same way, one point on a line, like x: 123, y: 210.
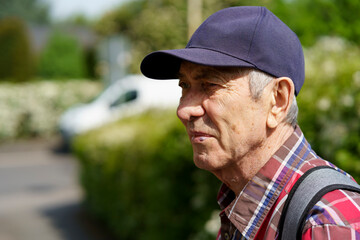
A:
x: 198, y: 137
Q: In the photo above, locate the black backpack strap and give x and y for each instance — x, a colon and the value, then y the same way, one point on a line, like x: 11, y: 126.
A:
x: 306, y: 192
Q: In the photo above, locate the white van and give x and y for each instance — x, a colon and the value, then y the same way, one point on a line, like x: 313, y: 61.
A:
x: 128, y: 96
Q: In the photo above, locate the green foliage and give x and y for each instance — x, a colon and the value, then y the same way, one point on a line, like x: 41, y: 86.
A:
x: 153, y: 25
x: 313, y: 18
x: 150, y: 25
x: 28, y: 10
x: 162, y: 24
x: 16, y: 60
x: 138, y: 174
x: 329, y: 102
x: 118, y: 20
x: 62, y: 57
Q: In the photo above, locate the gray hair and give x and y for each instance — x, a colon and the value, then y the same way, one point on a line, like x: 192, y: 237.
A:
x: 258, y: 80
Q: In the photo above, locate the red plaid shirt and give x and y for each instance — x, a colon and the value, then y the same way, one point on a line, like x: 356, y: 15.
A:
x: 256, y: 212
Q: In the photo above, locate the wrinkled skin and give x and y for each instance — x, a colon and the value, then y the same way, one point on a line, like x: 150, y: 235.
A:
x: 232, y: 134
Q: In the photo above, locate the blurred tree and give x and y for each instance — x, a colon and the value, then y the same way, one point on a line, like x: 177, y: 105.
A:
x: 161, y: 24
x: 62, y: 58
x: 78, y: 20
x: 329, y: 102
x: 313, y: 18
x: 28, y: 10
x: 150, y: 25
x: 16, y: 60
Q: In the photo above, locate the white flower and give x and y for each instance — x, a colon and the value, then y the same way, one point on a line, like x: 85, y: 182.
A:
x: 332, y: 44
x: 356, y: 78
x: 43, y: 101
x: 213, y: 224
x: 347, y: 100
x: 324, y: 104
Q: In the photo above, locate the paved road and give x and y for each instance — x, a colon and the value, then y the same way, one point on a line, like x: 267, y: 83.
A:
x: 40, y: 198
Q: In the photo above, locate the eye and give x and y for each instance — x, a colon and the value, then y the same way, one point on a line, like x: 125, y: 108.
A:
x: 184, y: 85
x: 209, y: 85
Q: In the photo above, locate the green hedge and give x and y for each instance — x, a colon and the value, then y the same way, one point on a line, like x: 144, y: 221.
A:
x: 329, y: 102
x: 16, y: 58
x: 139, y: 178
x: 62, y: 57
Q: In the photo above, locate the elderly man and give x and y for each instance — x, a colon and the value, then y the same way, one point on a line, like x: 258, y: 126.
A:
x: 239, y: 74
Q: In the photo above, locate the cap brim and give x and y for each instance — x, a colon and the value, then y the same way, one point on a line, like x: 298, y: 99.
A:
x: 165, y: 64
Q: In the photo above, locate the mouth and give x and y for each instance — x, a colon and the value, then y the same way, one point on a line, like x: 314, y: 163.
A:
x: 199, y: 137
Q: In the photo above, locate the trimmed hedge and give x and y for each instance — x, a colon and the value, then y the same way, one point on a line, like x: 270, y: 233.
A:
x: 139, y: 178
x: 62, y: 57
x: 16, y: 58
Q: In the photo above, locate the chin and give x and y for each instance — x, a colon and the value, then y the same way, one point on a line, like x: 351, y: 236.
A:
x: 205, y: 163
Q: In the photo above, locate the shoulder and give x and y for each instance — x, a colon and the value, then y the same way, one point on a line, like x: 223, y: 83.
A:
x: 337, y: 214
x: 310, y: 163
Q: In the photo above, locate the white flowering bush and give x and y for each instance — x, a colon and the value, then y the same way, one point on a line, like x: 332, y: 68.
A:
x: 329, y: 102
x: 33, y: 108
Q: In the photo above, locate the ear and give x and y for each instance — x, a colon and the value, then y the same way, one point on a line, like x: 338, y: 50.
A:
x: 281, y: 97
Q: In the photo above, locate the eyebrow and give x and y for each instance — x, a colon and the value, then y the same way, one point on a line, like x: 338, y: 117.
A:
x: 211, y: 74
x: 180, y: 75
x: 215, y: 73
x: 203, y: 74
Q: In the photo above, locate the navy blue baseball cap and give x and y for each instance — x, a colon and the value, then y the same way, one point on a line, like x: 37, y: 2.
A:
x: 248, y: 36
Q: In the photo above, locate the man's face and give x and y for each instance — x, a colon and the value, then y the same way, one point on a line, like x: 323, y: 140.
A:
x: 225, y: 125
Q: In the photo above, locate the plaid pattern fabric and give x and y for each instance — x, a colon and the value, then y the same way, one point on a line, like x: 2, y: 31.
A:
x: 255, y: 213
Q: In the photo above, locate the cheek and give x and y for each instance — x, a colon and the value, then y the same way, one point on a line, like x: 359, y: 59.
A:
x: 214, y: 113
x: 222, y: 111
x: 220, y: 104
x: 229, y: 109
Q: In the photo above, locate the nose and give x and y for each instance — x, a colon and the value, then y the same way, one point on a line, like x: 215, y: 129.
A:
x: 190, y: 106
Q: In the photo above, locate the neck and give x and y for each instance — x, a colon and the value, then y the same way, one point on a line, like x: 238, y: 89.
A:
x: 237, y: 175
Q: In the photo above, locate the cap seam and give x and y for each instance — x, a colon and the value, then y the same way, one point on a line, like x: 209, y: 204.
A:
x: 224, y: 54
x: 255, y: 30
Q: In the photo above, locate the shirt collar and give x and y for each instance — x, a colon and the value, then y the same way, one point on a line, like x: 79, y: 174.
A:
x: 247, y: 211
